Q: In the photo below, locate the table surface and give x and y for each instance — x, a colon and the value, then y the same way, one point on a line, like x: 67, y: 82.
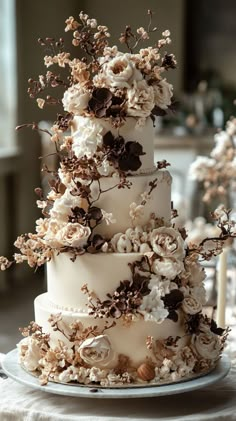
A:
x: 217, y: 402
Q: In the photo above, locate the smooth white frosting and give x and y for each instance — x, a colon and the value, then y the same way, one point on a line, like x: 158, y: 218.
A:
x: 102, y: 272
x: 117, y: 201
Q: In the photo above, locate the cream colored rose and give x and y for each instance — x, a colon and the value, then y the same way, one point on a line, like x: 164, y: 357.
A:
x: 29, y: 353
x: 167, y: 243
x: 169, y: 268
x: 207, y: 345
x: 75, y: 99
x: 191, y: 305
x: 97, y: 351
x: 163, y: 93
x: 73, y: 235
x: 121, y: 71
x: 140, y: 99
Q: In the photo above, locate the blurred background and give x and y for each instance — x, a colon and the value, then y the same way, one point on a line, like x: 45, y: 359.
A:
x: 203, y: 40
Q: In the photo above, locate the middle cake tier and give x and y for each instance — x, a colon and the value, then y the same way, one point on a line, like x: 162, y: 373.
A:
x: 101, y: 272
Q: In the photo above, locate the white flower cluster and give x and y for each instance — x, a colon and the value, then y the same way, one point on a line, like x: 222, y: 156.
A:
x: 152, y: 305
x: 87, y: 138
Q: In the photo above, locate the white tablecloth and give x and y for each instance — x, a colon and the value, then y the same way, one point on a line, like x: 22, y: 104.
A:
x: 218, y: 403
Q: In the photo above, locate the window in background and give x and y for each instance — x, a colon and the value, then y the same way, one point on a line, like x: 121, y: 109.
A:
x: 7, y: 74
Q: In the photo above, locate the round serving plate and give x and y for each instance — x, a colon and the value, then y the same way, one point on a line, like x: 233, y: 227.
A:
x: 13, y: 370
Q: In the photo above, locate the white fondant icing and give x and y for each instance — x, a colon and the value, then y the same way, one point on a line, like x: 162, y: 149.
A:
x: 129, y: 340
x: 102, y: 272
x: 117, y: 201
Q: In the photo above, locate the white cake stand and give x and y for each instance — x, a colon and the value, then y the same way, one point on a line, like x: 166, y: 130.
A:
x: 13, y: 370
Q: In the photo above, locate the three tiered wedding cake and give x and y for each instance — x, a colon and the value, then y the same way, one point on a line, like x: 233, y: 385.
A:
x: 125, y: 291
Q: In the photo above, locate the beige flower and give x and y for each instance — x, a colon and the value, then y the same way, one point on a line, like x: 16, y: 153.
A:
x: 163, y: 93
x: 75, y: 99
x: 79, y: 72
x: 191, y: 305
x: 167, y: 243
x: 207, y: 345
x: 29, y: 353
x: 121, y: 71
x: 97, y: 351
x: 140, y: 99
x: 73, y: 235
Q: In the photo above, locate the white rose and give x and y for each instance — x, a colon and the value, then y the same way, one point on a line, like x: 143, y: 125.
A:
x: 167, y: 243
x: 97, y: 351
x: 75, y: 99
x: 169, y: 268
x: 73, y: 235
x: 87, y: 138
x: 140, y: 99
x: 191, y: 305
x: 121, y: 71
x: 29, y: 353
x: 207, y: 345
x: 163, y: 93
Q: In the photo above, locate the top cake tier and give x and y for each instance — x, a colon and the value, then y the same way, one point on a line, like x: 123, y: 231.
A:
x: 127, y: 142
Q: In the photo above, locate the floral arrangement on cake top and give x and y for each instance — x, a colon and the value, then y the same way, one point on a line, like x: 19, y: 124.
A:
x: 218, y: 172
x: 107, y: 82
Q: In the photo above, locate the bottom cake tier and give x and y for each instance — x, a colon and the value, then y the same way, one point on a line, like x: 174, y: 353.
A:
x: 67, y: 346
